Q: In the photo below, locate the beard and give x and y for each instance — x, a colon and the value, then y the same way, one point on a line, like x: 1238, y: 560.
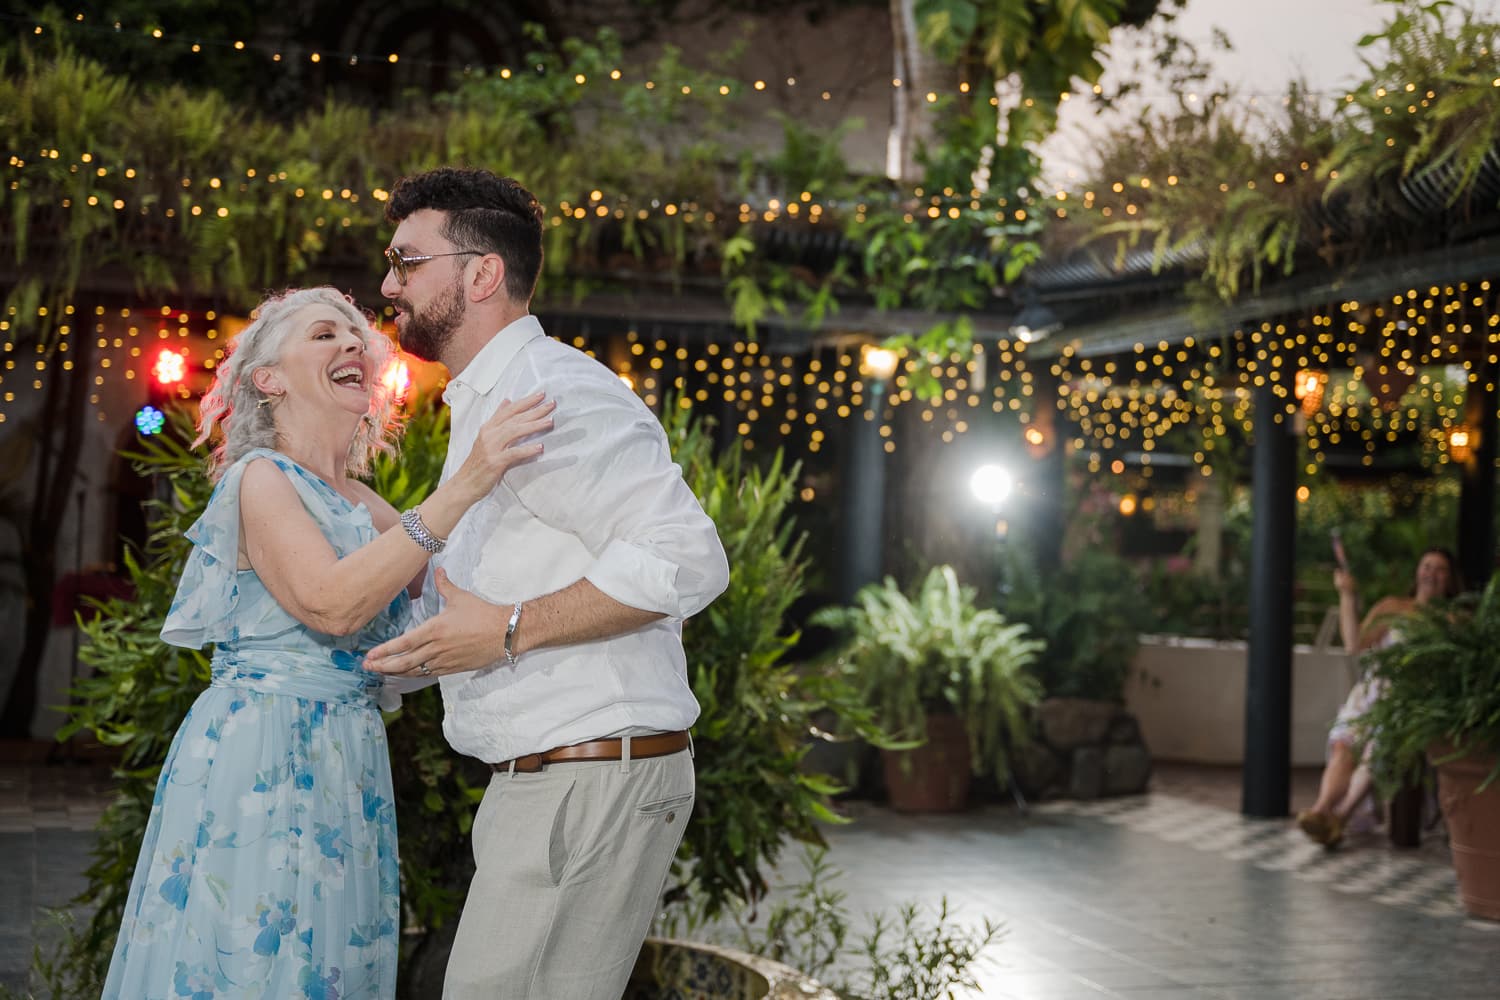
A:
x: 427, y: 333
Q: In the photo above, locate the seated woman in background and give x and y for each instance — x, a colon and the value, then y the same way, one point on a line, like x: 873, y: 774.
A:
x: 1346, y: 777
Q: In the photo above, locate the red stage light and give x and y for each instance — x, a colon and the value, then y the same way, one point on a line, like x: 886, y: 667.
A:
x: 170, y: 367
x: 397, y: 379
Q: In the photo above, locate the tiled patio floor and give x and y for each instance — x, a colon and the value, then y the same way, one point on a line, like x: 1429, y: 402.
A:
x: 1171, y: 894
x: 1158, y: 896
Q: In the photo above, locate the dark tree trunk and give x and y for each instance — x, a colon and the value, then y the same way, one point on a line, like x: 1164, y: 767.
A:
x: 59, y: 429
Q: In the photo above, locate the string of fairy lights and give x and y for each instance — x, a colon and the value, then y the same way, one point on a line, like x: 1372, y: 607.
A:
x: 1387, y: 351
x: 1409, y: 98
x: 801, y: 395
x: 121, y: 188
x: 1364, y: 375
x: 289, y: 54
x: 796, y: 395
x: 127, y: 188
x: 1147, y: 414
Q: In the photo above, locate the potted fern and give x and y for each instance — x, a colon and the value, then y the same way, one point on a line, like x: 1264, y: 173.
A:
x: 951, y: 678
x: 1446, y: 158
x: 1440, y: 702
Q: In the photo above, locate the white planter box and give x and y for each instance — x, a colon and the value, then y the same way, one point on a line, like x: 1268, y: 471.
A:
x: 1189, y: 695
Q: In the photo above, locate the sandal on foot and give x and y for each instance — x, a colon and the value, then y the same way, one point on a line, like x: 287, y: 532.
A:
x: 1317, y: 825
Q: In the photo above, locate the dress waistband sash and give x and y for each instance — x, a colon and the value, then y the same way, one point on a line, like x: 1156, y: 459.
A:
x: 339, y: 678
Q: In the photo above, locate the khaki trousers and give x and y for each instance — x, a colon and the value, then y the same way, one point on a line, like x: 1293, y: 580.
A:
x: 571, y: 861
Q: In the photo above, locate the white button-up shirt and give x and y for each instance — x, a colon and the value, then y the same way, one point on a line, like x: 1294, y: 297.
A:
x: 603, y: 502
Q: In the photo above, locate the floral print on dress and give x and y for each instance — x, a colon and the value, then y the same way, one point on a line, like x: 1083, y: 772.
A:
x: 269, y: 867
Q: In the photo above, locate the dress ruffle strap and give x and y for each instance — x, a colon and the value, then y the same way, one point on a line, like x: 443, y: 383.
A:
x: 208, y: 595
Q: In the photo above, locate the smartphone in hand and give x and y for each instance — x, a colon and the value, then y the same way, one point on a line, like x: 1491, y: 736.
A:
x: 1338, y: 549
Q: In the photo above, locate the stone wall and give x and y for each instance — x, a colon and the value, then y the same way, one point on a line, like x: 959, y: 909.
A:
x: 1083, y: 749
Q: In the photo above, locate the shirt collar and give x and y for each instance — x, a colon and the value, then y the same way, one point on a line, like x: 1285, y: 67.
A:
x: 481, y: 373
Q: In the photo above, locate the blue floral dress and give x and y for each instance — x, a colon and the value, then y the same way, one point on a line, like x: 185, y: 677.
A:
x: 269, y: 864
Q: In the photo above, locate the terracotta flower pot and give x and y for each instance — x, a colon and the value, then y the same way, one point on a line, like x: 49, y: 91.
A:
x: 934, y: 777
x: 1473, y: 829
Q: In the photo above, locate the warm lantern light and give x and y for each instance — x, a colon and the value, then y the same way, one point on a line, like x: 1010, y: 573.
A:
x: 397, y: 379
x: 1308, y: 388
x: 1127, y: 504
x: 169, y: 367
x: 1460, y: 444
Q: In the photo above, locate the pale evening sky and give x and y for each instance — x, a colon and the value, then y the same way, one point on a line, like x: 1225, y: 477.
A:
x: 1274, y: 42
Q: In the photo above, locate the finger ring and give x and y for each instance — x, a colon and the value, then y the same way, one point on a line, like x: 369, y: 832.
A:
x: 424, y: 670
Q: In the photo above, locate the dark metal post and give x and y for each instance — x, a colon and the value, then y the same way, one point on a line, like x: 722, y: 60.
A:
x: 862, y: 542
x: 1047, y: 494
x: 1476, y: 499
x: 1266, y: 787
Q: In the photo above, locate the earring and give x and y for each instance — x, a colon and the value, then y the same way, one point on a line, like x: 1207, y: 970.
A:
x: 262, y: 402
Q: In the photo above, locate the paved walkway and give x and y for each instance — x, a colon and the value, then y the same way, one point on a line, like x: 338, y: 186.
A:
x: 1150, y: 896
x: 47, y: 817
x: 1155, y: 896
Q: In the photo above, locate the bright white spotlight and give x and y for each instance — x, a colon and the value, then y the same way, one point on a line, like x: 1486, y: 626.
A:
x: 878, y: 362
x: 991, y: 484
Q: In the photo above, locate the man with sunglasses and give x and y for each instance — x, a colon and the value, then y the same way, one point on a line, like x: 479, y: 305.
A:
x: 554, y: 616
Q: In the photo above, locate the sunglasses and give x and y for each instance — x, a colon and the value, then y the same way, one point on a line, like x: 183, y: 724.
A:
x: 402, y: 263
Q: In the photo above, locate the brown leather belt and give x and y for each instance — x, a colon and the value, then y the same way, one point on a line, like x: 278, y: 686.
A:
x: 655, y: 745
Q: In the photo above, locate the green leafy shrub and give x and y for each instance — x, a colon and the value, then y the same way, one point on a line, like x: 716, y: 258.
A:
x: 1448, y: 52
x: 911, y: 955
x: 134, y: 699
x: 1088, y: 612
x: 1441, y: 686
x: 1185, y: 602
x: 757, y: 710
x: 938, y: 652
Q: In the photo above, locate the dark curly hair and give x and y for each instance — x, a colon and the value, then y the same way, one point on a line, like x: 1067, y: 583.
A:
x: 484, y: 212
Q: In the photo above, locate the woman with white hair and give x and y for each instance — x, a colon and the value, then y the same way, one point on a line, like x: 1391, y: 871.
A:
x: 269, y: 865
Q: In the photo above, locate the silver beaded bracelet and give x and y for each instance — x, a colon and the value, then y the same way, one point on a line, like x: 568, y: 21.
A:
x: 411, y: 520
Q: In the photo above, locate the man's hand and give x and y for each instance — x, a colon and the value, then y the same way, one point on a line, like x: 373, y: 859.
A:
x: 465, y: 635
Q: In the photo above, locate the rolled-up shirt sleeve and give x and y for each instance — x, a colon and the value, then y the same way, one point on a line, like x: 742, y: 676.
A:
x: 607, y: 477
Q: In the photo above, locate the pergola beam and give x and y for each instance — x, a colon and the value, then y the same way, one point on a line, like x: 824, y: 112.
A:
x: 1176, y: 323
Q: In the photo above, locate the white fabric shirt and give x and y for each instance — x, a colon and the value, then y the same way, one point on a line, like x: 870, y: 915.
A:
x: 603, y: 502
